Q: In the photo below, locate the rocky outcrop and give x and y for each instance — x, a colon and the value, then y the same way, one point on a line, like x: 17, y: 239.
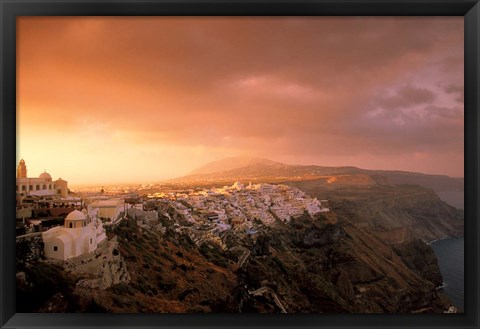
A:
x: 419, y: 257
x: 29, y: 247
x: 100, y: 269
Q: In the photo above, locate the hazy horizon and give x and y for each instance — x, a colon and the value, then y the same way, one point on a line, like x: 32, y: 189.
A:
x: 190, y: 172
x: 130, y: 99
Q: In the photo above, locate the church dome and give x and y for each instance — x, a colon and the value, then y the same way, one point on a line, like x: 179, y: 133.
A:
x: 76, y: 215
x: 45, y: 175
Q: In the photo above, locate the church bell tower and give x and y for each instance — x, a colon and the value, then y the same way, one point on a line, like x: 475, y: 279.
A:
x: 22, y: 169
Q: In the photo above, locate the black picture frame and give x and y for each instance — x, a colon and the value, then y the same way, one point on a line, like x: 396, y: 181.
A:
x: 10, y: 9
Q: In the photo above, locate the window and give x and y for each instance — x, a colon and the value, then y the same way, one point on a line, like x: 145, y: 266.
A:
x: 44, y: 187
x: 37, y: 187
x: 17, y: 187
x: 50, y: 186
x: 55, y: 248
x: 23, y: 188
x: 90, y: 241
x: 30, y: 187
x: 70, y: 224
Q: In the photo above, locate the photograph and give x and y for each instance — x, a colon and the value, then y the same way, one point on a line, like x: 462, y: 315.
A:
x: 240, y: 164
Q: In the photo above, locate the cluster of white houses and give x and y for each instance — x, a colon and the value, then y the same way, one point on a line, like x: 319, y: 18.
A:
x: 239, y: 204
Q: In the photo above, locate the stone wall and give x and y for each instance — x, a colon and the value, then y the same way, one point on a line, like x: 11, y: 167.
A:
x: 29, y: 247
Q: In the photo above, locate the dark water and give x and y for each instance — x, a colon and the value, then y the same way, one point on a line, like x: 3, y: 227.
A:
x: 449, y: 253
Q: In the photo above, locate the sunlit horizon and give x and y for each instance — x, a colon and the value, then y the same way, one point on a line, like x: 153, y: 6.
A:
x: 108, y: 100
x: 75, y: 182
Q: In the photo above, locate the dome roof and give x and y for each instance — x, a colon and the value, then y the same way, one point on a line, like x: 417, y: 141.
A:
x: 76, y: 215
x: 45, y: 175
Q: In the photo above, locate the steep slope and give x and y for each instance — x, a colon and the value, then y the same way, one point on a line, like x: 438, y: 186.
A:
x: 383, y: 208
x: 315, y: 266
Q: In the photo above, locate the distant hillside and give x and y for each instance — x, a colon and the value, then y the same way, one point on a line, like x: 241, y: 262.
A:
x: 231, y: 163
x: 256, y: 170
x: 449, y: 189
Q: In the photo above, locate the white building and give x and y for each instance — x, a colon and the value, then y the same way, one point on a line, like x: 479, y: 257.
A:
x: 78, y: 236
x: 312, y: 206
x: 109, y: 208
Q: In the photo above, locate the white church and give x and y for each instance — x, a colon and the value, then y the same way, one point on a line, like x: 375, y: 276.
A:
x: 79, y: 235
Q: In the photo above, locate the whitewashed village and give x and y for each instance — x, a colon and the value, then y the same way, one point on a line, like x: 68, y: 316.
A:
x: 72, y: 227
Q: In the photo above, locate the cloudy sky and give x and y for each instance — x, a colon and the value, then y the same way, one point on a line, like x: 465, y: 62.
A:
x: 103, y: 99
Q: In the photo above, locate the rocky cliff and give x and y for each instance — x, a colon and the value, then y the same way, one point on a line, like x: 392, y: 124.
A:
x: 388, y: 208
x: 322, y: 267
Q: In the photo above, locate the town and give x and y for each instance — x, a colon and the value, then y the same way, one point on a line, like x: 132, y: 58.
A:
x: 50, y: 208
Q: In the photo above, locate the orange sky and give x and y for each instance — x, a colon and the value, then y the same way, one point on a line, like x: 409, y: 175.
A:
x: 104, y: 100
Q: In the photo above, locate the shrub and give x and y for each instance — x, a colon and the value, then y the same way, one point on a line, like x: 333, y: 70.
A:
x: 167, y: 256
x: 167, y: 286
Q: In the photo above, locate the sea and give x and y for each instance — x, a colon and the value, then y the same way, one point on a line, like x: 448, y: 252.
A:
x: 450, y: 254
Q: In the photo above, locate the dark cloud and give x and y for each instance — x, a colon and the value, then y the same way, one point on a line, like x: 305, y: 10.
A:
x: 295, y: 85
x: 406, y: 96
x: 458, y: 90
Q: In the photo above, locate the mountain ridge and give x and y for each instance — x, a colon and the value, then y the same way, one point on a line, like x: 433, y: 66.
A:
x: 230, y: 165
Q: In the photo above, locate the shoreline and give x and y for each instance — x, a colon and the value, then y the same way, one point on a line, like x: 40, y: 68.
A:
x: 440, y: 239
x: 455, y: 294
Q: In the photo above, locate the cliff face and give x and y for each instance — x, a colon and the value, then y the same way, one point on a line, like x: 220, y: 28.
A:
x: 351, y: 271
x: 387, y: 208
x: 420, y: 258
